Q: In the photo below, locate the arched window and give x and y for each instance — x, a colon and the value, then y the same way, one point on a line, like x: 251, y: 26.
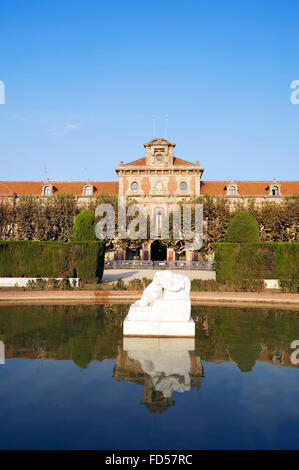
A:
x: 87, y: 191
x: 275, y: 191
x: 232, y: 190
x: 47, y: 191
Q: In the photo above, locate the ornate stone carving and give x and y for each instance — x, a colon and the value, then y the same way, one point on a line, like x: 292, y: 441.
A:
x: 159, y: 186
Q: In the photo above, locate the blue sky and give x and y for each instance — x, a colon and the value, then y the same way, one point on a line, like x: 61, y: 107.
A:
x: 83, y: 79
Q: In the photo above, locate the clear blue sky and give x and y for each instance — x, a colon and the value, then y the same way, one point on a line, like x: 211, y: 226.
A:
x: 83, y: 79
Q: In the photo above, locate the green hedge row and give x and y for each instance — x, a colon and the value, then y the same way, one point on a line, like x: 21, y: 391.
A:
x: 243, y: 285
x: 266, y: 260
x: 52, y: 259
x: 198, y: 285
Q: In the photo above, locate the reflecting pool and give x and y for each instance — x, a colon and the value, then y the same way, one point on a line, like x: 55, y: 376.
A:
x: 69, y: 380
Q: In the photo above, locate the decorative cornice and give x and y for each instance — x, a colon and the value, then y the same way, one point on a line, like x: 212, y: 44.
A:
x: 159, y: 141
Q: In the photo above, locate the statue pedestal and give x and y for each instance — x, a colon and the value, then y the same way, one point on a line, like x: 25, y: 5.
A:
x: 163, y: 310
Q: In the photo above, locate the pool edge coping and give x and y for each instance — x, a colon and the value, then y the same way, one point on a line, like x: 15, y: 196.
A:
x: 197, y: 298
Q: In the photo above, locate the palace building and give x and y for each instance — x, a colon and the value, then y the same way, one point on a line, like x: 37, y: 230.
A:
x: 157, y: 180
x: 158, y: 177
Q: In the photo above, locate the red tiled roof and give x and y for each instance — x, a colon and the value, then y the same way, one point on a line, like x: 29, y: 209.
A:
x: 180, y: 162
x: 245, y: 188
x: 75, y: 187
x: 176, y: 162
x: 139, y: 162
x: 249, y: 188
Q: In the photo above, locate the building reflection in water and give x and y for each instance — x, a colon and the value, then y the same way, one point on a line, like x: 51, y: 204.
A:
x: 162, y: 366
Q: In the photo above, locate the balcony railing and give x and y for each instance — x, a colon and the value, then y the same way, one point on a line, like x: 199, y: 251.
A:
x: 140, y: 264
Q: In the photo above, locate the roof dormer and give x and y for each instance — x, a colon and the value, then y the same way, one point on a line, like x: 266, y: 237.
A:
x: 88, y: 190
x: 232, y: 189
x: 274, y: 189
x: 47, y: 189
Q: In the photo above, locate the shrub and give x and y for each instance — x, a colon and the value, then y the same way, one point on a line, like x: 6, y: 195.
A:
x: 39, y: 284
x: 257, y: 260
x: 289, y: 285
x: 84, y: 228
x: 242, y: 228
x: 135, y: 284
x: 49, y: 284
x: 119, y: 285
x: 52, y: 259
x: 138, y: 284
x: 256, y: 285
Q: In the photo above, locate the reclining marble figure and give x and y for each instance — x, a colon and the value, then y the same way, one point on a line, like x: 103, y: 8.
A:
x: 164, y: 308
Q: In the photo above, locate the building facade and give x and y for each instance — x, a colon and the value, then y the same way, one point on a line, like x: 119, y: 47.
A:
x: 158, y: 180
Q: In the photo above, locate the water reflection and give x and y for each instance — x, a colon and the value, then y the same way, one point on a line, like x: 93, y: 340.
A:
x: 87, y: 333
x: 59, y: 389
x: 162, y: 366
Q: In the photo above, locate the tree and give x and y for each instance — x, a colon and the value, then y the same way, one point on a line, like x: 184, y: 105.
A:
x: 34, y: 218
x: 242, y: 228
x: 84, y: 228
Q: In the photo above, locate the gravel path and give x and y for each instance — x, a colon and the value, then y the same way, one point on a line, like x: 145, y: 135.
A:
x: 112, y: 275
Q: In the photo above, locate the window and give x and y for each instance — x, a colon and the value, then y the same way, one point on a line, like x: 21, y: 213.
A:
x: 134, y: 186
x: 47, y: 191
x: 158, y: 219
x: 275, y: 191
x: 183, y: 186
x: 232, y: 191
x: 87, y: 191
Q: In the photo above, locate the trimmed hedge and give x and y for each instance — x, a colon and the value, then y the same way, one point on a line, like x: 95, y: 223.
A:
x: 52, y: 259
x: 267, y: 260
x: 243, y: 228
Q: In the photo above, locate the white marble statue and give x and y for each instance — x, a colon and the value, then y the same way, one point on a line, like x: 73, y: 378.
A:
x: 164, y: 308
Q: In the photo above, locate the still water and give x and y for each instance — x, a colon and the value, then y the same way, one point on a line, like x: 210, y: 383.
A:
x: 70, y: 381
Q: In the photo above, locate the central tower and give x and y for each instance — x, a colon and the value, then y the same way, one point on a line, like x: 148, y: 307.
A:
x: 159, y: 177
x: 159, y: 153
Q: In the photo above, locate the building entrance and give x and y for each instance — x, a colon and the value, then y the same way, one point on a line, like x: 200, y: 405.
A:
x: 158, y: 251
